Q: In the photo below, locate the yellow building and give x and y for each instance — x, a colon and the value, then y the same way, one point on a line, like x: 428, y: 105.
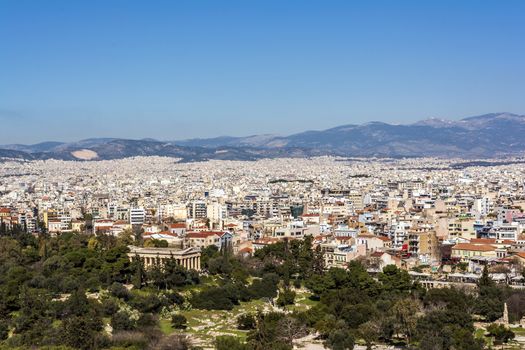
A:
x: 461, y: 228
x: 424, y: 243
x: 464, y: 251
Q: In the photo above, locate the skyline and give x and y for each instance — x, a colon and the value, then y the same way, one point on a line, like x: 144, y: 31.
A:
x: 275, y: 135
x: 185, y: 70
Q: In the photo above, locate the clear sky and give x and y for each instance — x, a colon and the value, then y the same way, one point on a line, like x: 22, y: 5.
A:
x: 181, y: 69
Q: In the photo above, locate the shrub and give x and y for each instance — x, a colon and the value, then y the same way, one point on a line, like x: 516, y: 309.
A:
x: 246, y: 322
x: 174, y: 341
x: 179, y: 321
x: 230, y: 343
x: 175, y: 298
x: 146, y: 304
x: 109, y: 307
x: 214, y: 298
x: 119, y: 291
x: 130, y: 339
x: 122, y: 322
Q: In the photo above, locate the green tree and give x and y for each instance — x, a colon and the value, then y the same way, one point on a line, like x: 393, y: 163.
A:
x: 34, y: 316
x: 394, y: 279
x: 340, y: 339
x: 406, y: 313
x: 448, y: 329
x: 125, y: 238
x: 490, y: 300
x: 121, y: 321
x: 139, y: 272
x: 286, y: 297
x: 4, y: 329
x: 369, y: 332
x: 500, y: 333
x: 82, y: 332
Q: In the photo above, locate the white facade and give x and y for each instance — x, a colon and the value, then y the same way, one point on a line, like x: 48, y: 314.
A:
x: 137, y: 216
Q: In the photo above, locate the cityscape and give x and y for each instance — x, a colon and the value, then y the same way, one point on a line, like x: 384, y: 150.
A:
x: 441, y: 222
x: 262, y: 175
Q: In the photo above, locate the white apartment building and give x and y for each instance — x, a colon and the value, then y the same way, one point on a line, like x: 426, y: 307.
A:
x: 399, y: 233
x: 482, y: 207
x: 178, y: 211
x: 137, y: 216
x: 216, y: 211
x: 197, y: 210
x: 506, y: 231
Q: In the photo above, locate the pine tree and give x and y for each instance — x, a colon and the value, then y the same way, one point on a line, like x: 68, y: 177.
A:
x: 485, y: 280
x: 138, y: 277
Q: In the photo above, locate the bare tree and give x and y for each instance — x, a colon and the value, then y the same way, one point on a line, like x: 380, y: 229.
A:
x: 290, y: 329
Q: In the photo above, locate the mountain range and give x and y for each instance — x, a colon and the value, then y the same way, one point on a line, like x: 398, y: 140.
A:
x: 486, y: 136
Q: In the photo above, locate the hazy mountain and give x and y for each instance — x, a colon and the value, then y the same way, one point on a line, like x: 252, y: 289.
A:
x: 480, y: 136
x: 250, y: 141
x: 121, y: 148
x: 39, y: 147
x: 489, y: 135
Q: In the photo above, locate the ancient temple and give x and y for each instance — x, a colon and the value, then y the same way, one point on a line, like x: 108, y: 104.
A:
x: 189, y: 258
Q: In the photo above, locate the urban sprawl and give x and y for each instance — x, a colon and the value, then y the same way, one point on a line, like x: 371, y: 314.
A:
x: 440, y: 222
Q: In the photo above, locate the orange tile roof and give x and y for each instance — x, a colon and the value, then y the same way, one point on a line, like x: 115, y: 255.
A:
x: 474, y: 247
x: 377, y: 254
x: 520, y: 254
x: 482, y: 241
x: 204, y: 234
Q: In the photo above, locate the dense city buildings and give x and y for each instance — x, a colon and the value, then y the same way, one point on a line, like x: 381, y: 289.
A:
x: 426, y: 213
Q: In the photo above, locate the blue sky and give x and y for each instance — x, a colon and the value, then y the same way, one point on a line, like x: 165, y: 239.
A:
x: 181, y: 69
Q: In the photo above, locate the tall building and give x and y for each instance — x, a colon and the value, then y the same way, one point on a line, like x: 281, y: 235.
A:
x: 197, y: 210
x: 137, y: 216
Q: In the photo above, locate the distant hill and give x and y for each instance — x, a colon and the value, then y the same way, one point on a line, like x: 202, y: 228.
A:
x: 122, y: 148
x: 489, y: 135
x: 248, y: 141
x: 39, y: 147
